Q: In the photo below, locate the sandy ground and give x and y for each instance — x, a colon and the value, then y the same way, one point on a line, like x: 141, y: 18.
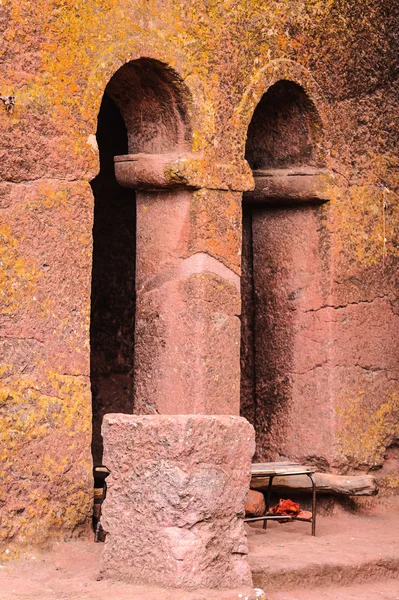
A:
x: 353, y: 557
x: 383, y: 590
x: 347, y: 549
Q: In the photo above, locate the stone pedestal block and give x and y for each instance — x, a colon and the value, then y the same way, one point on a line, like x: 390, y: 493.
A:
x: 175, y: 503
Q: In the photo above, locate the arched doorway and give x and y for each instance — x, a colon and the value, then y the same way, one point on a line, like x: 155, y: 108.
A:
x: 285, y: 271
x: 144, y: 110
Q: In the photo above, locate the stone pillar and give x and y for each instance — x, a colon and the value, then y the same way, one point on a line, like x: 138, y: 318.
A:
x: 287, y: 356
x: 293, y: 344
x: 175, y: 502
x: 187, y: 338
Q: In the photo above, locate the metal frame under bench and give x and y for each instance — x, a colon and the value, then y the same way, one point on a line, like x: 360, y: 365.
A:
x: 283, y: 469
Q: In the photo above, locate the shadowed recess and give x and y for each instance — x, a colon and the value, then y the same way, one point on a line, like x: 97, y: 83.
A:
x: 285, y: 129
x: 154, y: 103
x: 113, y: 279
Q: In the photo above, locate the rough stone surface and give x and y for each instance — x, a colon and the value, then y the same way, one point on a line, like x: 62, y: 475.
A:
x: 177, y: 369
x: 308, y: 354
x: 175, y: 503
x: 305, y: 347
x: 45, y: 415
x: 291, y: 279
x: 207, y: 66
x: 255, y: 505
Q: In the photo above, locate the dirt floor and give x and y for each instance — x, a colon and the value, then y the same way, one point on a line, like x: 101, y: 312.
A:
x: 387, y: 590
x: 70, y: 572
x: 353, y: 557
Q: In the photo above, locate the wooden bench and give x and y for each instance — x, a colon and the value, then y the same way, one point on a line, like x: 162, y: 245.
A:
x: 283, y: 469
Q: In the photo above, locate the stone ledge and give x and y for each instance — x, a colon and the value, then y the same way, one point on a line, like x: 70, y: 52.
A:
x: 181, y: 170
x: 302, y: 184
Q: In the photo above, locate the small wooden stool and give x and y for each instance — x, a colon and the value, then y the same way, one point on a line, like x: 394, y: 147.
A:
x: 283, y: 469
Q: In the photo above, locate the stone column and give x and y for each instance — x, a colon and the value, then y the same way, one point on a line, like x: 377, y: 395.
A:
x: 291, y: 360
x: 187, y: 338
x: 175, y: 502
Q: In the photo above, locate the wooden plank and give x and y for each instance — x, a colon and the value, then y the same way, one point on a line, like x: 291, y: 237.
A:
x: 273, y: 468
x: 327, y: 483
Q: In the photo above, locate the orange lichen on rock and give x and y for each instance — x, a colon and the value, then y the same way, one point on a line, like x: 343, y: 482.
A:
x: 58, y: 58
x: 366, y: 429
x: 43, y: 459
x: 18, y: 276
x: 215, y: 226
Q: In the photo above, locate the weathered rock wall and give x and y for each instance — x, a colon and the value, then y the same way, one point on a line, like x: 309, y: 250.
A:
x: 57, y: 59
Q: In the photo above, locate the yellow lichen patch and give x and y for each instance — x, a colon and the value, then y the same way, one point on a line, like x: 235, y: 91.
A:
x: 67, y: 409
x: 366, y: 430
x: 49, y: 195
x: 215, y: 219
x: 389, y: 485
x: 78, y: 47
x: 45, y: 458
x: 364, y: 224
x: 18, y: 275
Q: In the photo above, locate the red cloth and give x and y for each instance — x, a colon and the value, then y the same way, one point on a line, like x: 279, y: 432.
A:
x: 286, y: 507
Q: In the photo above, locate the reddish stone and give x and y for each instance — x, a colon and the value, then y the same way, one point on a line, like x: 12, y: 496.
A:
x: 326, y: 325
x: 175, y: 503
x: 292, y: 343
x: 255, y: 505
x: 305, y: 514
x: 184, y: 301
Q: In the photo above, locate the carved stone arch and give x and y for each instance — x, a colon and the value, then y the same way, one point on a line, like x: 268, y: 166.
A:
x: 275, y: 71
x: 155, y: 105
x: 186, y: 87
x: 285, y: 130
